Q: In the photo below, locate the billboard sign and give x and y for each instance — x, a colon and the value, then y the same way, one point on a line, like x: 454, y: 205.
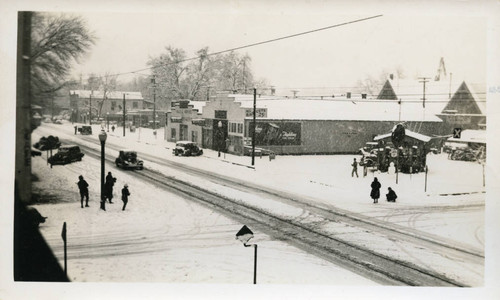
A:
x: 276, y: 133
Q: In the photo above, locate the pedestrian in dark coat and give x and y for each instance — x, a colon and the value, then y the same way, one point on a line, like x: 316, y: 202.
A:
x: 84, y: 191
x: 354, y: 168
x: 108, y: 187
x: 375, y: 193
x: 391, y: 195
x: 125, y: 194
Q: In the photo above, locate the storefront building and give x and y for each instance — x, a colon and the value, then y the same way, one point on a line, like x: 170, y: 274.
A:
x: 294, y: 126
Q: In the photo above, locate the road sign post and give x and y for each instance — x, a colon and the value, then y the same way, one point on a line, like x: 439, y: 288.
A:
x: 426, y: 171
x: 63, y: 235
x: 244, y: 235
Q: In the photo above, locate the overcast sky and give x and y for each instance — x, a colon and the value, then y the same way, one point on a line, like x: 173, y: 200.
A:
x: 410, y: 35
x: 405, y: 38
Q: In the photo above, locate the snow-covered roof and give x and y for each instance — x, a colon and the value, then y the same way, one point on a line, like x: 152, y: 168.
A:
x: 198, y: 105
x: 409, y: 89
x: 409, y: 133
x: 471, y: 136
x: 478, y: 91
x: 437, y: 91
x: 341, y: 108
x: 110, y: 95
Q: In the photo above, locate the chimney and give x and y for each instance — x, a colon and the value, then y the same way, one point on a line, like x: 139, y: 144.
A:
x: 348, y: 95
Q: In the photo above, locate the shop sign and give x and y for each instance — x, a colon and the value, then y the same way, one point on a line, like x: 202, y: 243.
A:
x: 277, y: 133
x: 199, y: 122
x: 221, y: 114
x: 259, y: 112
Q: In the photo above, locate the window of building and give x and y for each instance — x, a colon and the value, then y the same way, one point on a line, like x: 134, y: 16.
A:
x: 173, y: 134
x: 194, y: 136
x: 135, y: 104
x: 113, y: 105
x: 240, y: 128
x: 233, y: 127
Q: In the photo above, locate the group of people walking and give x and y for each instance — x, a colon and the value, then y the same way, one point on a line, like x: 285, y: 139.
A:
x: 108, y: 191
x: 375, y: 186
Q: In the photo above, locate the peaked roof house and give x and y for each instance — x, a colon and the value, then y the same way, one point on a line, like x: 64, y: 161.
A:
x: 466, y: 108
x: 387, y: 92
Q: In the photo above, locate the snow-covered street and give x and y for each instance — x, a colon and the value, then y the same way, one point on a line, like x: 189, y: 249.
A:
x: 164, y: 238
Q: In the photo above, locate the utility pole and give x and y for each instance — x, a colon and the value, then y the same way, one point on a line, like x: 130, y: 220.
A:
x: 254, y: 124
x: 449, y: 93
x: 244, y: 83
x: 90, y: 107
x: 153, y: 81
x: 424, y: 80
x: 123, y: 114
x: 399, y: 102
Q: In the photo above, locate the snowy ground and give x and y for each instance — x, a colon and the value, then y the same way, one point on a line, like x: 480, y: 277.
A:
x: 164, y: 238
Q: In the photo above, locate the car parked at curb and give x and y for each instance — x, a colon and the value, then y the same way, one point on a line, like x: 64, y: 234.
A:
x: 187, y: 148
x: 66, y: 154
x: 127, y: 159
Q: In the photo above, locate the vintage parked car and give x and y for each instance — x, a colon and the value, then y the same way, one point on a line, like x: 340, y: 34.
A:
x: 66, y: 154
x: 127, y: 159
x: 187, y: 148
x: 85, y: 130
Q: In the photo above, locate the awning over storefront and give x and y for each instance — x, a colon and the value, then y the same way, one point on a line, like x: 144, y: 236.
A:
x: 176, y: 119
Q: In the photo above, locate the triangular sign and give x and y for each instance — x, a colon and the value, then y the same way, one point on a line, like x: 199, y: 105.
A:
x: 244, y: 235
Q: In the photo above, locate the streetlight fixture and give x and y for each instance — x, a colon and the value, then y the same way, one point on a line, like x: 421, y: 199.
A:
x: 244, y: 235
x: 107, y: 119
x: 219, y: 133
x: 102, y: 139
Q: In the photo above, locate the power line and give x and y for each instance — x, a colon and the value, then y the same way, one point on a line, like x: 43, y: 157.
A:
x: 250, y: 45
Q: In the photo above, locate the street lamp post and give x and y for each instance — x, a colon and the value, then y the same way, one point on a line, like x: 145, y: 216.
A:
x: 123, y: 114
x: 219, y: 134
x: 102, y: 139
x: 107, y: 119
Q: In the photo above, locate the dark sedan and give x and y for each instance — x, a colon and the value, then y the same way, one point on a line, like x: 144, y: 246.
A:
x: 66, y: 154
x: 127, y: 159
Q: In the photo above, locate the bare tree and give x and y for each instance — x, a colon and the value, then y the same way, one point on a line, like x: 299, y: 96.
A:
x: 234, y: 72
x: 200, y: 73
x: 57, y: 42
x: 107, y: 84
x: 169, y: 69
x: 177, y: 79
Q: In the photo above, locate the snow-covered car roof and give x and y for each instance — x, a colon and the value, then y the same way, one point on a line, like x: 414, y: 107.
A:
x: 184, y: 142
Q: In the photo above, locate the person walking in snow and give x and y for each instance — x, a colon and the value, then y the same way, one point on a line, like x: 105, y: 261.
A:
x: 108, y: 187
x: 113, y: 128
x: 84, y: 191
x: 391, y: 195
x: 354, y: 168
x: 365, y: 167
x: 375, y: 193
x: 125, y: 194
